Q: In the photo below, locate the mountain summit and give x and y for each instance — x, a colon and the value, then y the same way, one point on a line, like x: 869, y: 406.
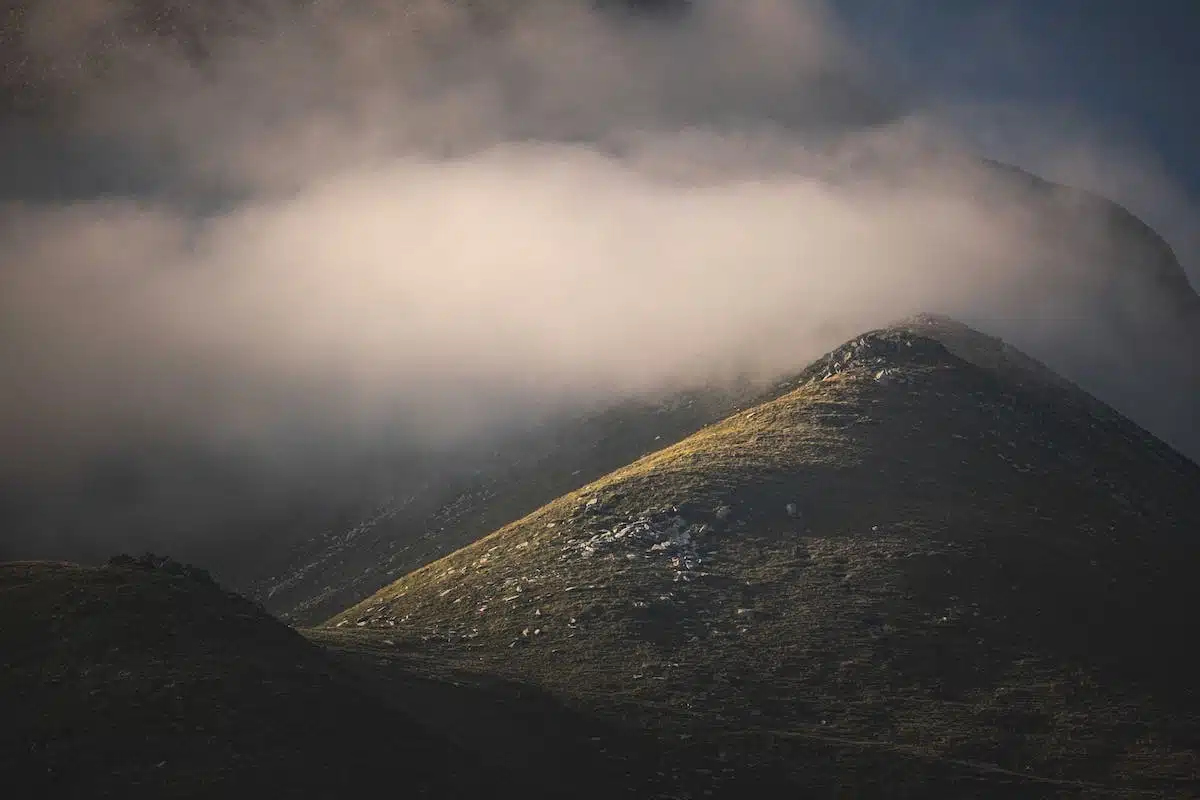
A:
x: 925, y: 560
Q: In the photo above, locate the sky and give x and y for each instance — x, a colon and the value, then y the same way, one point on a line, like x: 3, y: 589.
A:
x: 1133, y: 66
x: 347, y: 228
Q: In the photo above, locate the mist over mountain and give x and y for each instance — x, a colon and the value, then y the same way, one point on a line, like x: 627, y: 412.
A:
x: 261, y: 264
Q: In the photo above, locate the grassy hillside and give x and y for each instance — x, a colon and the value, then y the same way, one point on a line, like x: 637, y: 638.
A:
x: 430, y: 518
x: 905, y: 566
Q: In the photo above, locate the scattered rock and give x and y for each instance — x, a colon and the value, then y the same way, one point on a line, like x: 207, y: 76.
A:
x: 653, y: 533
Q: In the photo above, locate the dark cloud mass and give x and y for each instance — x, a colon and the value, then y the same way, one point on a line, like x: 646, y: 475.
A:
x: 319, y: 228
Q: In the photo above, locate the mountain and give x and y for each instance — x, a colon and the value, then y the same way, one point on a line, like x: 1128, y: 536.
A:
x: 925, y: 566
x: 1121, y: 233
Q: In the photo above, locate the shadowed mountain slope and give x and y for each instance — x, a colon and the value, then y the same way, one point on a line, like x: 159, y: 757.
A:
x: 133, y: 681
x: 145, y: 679
x: 926, y: 565
x: 1119, y: 231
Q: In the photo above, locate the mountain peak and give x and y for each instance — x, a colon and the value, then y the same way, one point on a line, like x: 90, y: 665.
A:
x: 877, y: 550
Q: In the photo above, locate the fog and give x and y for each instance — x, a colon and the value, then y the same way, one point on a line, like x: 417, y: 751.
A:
x: 414, y: 224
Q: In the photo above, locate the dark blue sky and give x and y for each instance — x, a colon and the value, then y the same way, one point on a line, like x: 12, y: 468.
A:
x: 1133, y: 66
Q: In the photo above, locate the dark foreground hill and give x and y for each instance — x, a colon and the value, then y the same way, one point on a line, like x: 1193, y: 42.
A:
x: 927, y: 566
x: 136, y: 681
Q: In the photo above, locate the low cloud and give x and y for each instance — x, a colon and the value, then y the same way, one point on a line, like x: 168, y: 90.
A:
x: 428, y: 223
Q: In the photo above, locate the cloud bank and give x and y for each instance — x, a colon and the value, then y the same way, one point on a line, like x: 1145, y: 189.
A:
x: 425, y: 221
